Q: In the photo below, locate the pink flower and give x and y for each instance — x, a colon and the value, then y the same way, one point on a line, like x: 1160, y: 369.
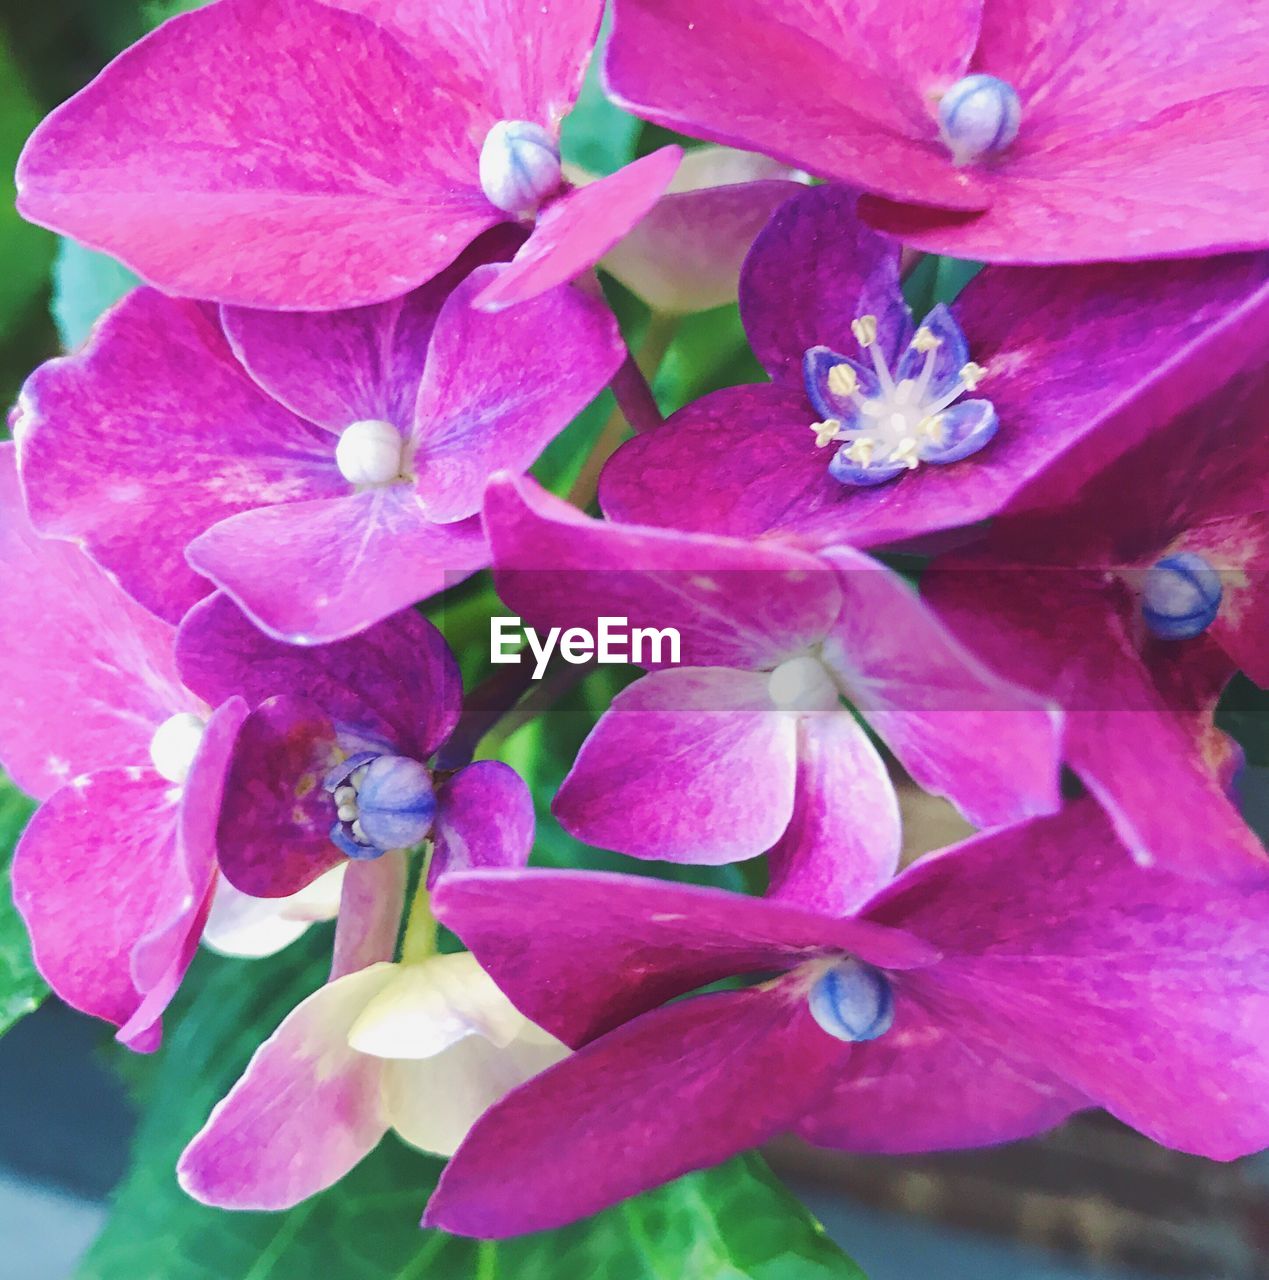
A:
x: 289, y: 153
x: 1036, y: 131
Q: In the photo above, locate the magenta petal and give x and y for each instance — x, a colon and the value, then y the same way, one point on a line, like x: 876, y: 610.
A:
x: 678, y: 1089
x: 575, y: 231
x: 815, y: 268
x: 370, y: 907
x: 1135, y: 986
x: 272, y: 126
x: 313, y: 572
x: 993, y: 748
x: 645, y: 941
x: 91, y: 675
x: 927, y: 1086
x: 90, y: 870
x: 397, y: 681
x: 260, y: 1148
x: 754, y: 467
x: 843, y: 840
x: 152, y: 433
x: 520, y: 59
x: 715, y: 71
x: 499, y: 387
x: 693, y: 764
x: 736, y: 604
x: 484, y: 818
x: 274, y: 833
x: 186, y: 884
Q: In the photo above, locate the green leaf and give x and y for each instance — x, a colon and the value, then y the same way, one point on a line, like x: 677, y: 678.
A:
x: 25, y: 250
x: 22, y: 990
x: 597, y: 135
x: 85, y: 283
x: 1244, y: 714
x: 730, y: 1223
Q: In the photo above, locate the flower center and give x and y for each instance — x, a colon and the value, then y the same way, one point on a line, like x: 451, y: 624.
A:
x: 519, y: 166
x: 979, y: 116
x: 371, y: 452
x: 803, y: 684
x: 887, y: 421
x: 1180, y: 596
x: 382, y: 802
x: 852, y: 1001
x: 175, y: 744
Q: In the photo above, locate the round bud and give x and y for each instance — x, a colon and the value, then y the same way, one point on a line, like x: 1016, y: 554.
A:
x: 175, y: 744
x: 978, y: 116
x: 803, y: 684
x: 369, y: 453
x: 395, y: 802
x: 852, y: 1001
x: 519, y: 166
x: 1180, y: 596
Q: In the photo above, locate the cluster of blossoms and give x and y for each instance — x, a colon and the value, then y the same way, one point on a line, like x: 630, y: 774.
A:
x: 370, y: 305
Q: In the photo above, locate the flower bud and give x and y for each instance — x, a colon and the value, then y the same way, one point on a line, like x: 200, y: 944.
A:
x: 1181, y: 596
x: 978, y: 116
x: 370, y: 453
x: 395, y: 802
x: 175, y: 744
x: 852, y: 1001
x: 519, y: 166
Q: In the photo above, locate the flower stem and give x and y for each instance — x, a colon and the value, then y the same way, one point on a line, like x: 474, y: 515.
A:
x: 419, y: 943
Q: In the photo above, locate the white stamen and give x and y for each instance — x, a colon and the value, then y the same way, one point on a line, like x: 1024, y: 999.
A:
x: 347, y: 813
x: 345, y: 795
x: 175, y: 744
x: 370, y: 453
x: 358, y: 834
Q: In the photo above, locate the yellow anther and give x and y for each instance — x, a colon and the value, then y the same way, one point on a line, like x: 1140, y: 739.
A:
x: 971, y: 375
x: 925, y: 340
x: 905, y: 453
x: 932, y: 428
x: 826, y: 431
x: 842, y: 380
x: 861, y: 451
x: 865, y: 330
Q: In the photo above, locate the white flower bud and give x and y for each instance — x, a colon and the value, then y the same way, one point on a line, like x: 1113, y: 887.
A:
x: 370, y: 453
x: 519, y: 166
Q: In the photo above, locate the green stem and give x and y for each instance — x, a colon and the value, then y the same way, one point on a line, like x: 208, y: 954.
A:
x: 419, y: 943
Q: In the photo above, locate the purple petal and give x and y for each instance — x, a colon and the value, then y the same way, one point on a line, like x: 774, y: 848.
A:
x: 1062, y: 952
x: 484, y: 818
x: 272, y: 126
x: 314, y: 572
x: 260, y: 1148
x: 575, y: 231
x: 993, y: 748
x: 679, y: 1089
x: 926, y: 1086
x: 691, y: 765
x: 813, y: 270
x: 646, y: 941
x: 152, y: 433
x: 842, y: 843
x: 499, y: 387
x: 964, y: 428
x: 950, y: 357
x: 274, y: 834
x: 91, y: 675
x: 734, y: 604
x: 396, y: 682
x: 370, y: 909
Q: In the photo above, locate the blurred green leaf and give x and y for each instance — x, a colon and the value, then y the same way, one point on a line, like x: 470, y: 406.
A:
x: 597, y: 134
x: 731, y: 1223
x: 25, y: 250
x: 85, y: 283
x: 22, y: 990
x: 1243, y: 713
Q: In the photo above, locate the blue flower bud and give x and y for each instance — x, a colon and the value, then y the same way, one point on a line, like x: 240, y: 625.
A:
x: 1180, y: 596
x: 978, y: 116
x: 852, y: 1001
x: 395, y: 802
x: 519, y: 166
